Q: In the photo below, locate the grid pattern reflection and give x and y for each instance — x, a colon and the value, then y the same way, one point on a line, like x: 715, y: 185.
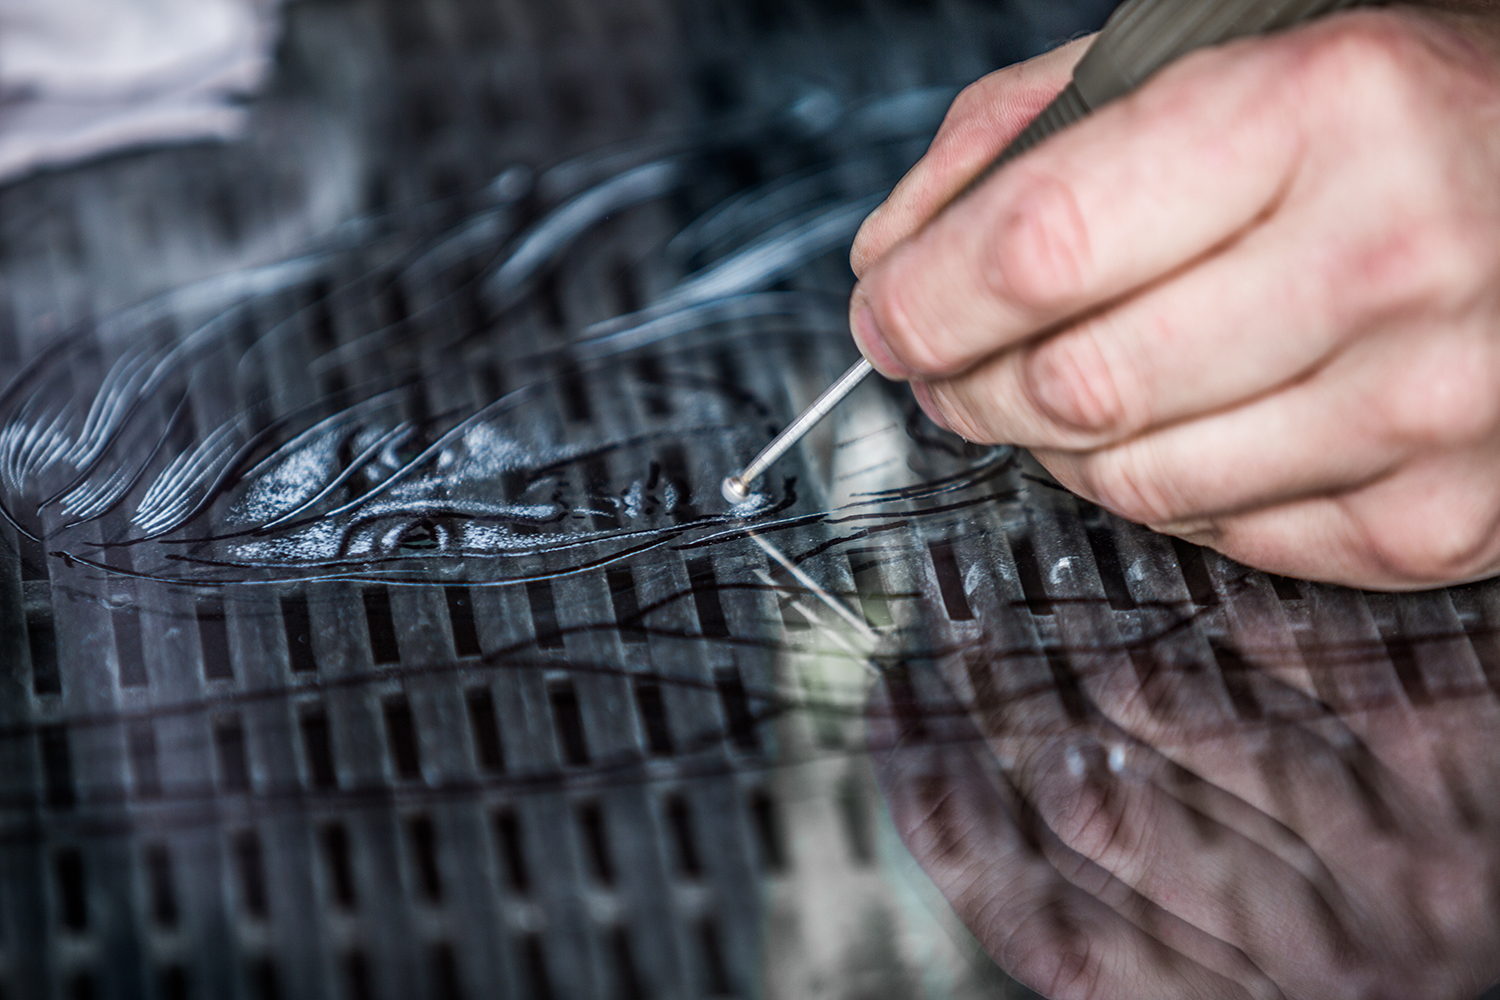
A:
x: 373, y: 625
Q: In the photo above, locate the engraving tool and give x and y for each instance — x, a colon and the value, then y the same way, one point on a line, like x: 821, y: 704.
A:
x: 1140, y: 38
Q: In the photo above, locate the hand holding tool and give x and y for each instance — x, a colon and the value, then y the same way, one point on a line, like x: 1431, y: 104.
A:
x: 1139, y: 39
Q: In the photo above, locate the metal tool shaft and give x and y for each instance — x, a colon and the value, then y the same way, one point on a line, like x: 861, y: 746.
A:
x: 737, y: 488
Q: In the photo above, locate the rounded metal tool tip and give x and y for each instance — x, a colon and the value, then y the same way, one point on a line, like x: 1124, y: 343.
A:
x: 735, y: 490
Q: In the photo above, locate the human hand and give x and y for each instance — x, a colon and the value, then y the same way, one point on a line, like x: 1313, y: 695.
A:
x: 1255, y: 304
x: 1143, y: 837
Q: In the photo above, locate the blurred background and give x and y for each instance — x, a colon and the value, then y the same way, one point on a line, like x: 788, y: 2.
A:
x: 232, y: 231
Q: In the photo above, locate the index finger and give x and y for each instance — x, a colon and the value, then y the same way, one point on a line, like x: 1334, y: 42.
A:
x: 1125, y: 198
x: 980, y: 124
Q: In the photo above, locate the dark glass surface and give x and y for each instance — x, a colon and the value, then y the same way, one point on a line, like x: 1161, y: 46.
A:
x: 373, y: 623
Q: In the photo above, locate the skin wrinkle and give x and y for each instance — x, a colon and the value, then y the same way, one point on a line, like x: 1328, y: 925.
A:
x: 1044, y: 242
x: 1104, y: 847
x: 1159, y: 932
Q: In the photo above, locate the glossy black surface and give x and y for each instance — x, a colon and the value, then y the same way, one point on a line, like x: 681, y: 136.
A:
x: 374, y: 626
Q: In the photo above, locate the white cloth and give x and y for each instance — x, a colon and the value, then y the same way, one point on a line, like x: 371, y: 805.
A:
x: 82, y: 77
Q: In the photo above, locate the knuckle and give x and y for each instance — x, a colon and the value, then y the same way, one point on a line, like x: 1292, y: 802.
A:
x: 898, y: 301
x: 1374, y: 56
x: 1074, y: 383
x: 1076, y: 970
x: 1455, y: 540
x: 1122, y: 483
x: 1095, y: 826
x: 961, y: 418
x: 1448, y: 398
x: 1050, y: 950
x: 1040, y: 257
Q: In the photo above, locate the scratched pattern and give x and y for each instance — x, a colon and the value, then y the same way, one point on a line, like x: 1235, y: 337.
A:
x: 373, y: 626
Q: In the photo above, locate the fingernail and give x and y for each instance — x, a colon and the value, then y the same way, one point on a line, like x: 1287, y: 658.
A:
x: 872, y: 342
x: 929, y: 405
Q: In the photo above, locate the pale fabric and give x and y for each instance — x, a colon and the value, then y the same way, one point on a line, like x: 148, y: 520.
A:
x: 83, y: 77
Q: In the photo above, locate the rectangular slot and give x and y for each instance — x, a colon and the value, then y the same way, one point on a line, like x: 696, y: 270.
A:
x: 296, y: 620
x: 72, y: 890
x: 715, y: 973
x: 422, y: 835
x: 512, y: 851
x: 317, y: 748
x: 987, y: 697
x: 680, y: 822
x: 626, y: 605
x: 627, y: 974
x: 128, y: 653
x: 174, y: 983
x: 870, y: 585
x: 596, y: 842
x: 357, y: 976
x: 575, y: 395
x: 1236, y: 672
x: 597, y: 487
x: 81, y: 987
x: 739, y: 719
x: 57, y: 766
x: 1069, y: 689
x: 250, y: 864
x: 320, y: 323
x: 41, y: 635
x: 534, y: 961
x: 567, y: 721
x: 381, y: 626
x: 484, y: 724
x: 655, y: 392
x: 674, y: 468
x: 653, y: 713
x: 1285, y: 587
x: 1030, y: 573
x: 33, y: 559
x: 950, y: 582
x: 401, y: 733
x: 628, y: 300
x: 765, y: 818
x: 544, y: 614
x: 229, y: 748
x: 141, y: 751
x: 1403, y: 656
x: 396, y: 309
x: 461, y: 619
x: 443, y: 968
x: 213, y: 641
x: 1195, y: 573
x: 856, y: 817
x: 1111, y: 571
x: 339, y: 864
x: 265, y: 981
x: 705, y: 584
x: 910, y: 715
x: 161, y: 887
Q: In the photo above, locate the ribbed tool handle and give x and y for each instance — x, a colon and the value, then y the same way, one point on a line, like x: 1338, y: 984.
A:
x: 1145, y: 35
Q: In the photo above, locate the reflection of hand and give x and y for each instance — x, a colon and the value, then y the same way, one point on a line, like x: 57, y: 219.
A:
x: 1254, y: 304
x: 1138, y: 837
